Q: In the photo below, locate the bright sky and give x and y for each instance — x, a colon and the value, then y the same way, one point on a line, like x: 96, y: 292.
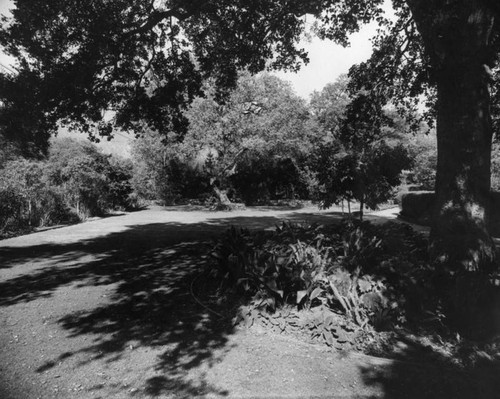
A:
x: 328, y: 61
x: 5, y: 6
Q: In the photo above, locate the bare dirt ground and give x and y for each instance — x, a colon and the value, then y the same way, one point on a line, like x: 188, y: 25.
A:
x: 104, y: 310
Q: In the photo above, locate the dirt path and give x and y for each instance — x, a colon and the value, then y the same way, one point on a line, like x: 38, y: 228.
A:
x: 103, y: 310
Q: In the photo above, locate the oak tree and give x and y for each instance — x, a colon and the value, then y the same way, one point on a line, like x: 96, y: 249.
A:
x: 261, y: 118
x: 329, y: 104
x: 145, y: 60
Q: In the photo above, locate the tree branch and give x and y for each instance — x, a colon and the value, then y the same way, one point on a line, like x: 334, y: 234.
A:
x: 156, y: 17
x: 148, y: 67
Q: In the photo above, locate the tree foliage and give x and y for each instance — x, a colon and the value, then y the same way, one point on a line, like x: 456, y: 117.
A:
x: 262, y: 130
x: 262, y: 118
x: 146, y: 60
x: 260, y: 178
x: 424, y: 152
x: 362, y: 163
x: 75, y: 181
x: 262, y: 113
x: 142, y: 60
x: 163, y: 172
x: 329, y: 104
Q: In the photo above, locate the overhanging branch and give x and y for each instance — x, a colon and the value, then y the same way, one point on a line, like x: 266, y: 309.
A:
x: 156, y: 17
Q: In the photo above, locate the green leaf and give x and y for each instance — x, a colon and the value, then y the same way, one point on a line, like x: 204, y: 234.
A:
x: 248, y: 320
x: 271, y: 302
x: 328, y: 336
x: 300, y: 295
x: 281, y: 260
x: 316, y: 292
x: 329, y: 320
x: 364, y: 286
x: 342, y: 337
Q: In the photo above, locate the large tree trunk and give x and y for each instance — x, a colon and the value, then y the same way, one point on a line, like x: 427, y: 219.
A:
x: 456, y: 36
x: 223, y: 200
x: 459, y: 234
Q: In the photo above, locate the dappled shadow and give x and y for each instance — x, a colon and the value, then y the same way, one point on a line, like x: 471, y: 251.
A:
x: 147, y: 272
x: 424, y: 365
x: 150, y: 270
x: 144, y: 236
x: 102, y: 260
x: 423, y: 372
x: 266, y: 222
x: 152, y: 307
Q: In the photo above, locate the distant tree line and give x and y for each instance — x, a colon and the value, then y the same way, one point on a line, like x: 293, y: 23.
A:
x: 263, y: 144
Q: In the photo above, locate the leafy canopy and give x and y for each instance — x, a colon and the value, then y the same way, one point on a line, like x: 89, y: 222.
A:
x: 143, y: 60
x: 262, y: 114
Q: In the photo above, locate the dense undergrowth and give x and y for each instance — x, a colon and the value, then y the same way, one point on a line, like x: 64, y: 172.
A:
x: 74, y: 182
x: 354, y: 284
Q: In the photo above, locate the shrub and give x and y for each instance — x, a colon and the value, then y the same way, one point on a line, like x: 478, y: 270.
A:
x: 262, y: 178
x: 53, y: 210
x: 119, y: 187
x: 76, y: 181
x: 417, y: 206
x: 10, y: 209
x: 89, y: 181
x: 371, y: 275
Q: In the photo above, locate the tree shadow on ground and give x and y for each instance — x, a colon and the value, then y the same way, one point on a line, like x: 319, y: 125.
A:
x: 423, y: 372
x: 150, y: 270
x: 152, y: 306
x: 145, y: 236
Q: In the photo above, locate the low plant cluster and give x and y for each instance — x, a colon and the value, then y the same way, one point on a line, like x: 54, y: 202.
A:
x: 336, y: 280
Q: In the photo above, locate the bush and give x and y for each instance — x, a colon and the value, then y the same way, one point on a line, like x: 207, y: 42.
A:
x: 119, y: 187
x: 417, y: 206
x: 53, y: 210
x: 371, y: 275
x: 89, y: 181
x: 261, y: 179
x: 10, y: 209
x: 75, y: 182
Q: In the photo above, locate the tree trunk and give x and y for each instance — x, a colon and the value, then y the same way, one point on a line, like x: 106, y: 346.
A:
x: 30, y: 212
x: 221, y: 196
x: 220, y: 193
x: 361, y: 207
x: 456, y: 36
x: 459, y: 234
